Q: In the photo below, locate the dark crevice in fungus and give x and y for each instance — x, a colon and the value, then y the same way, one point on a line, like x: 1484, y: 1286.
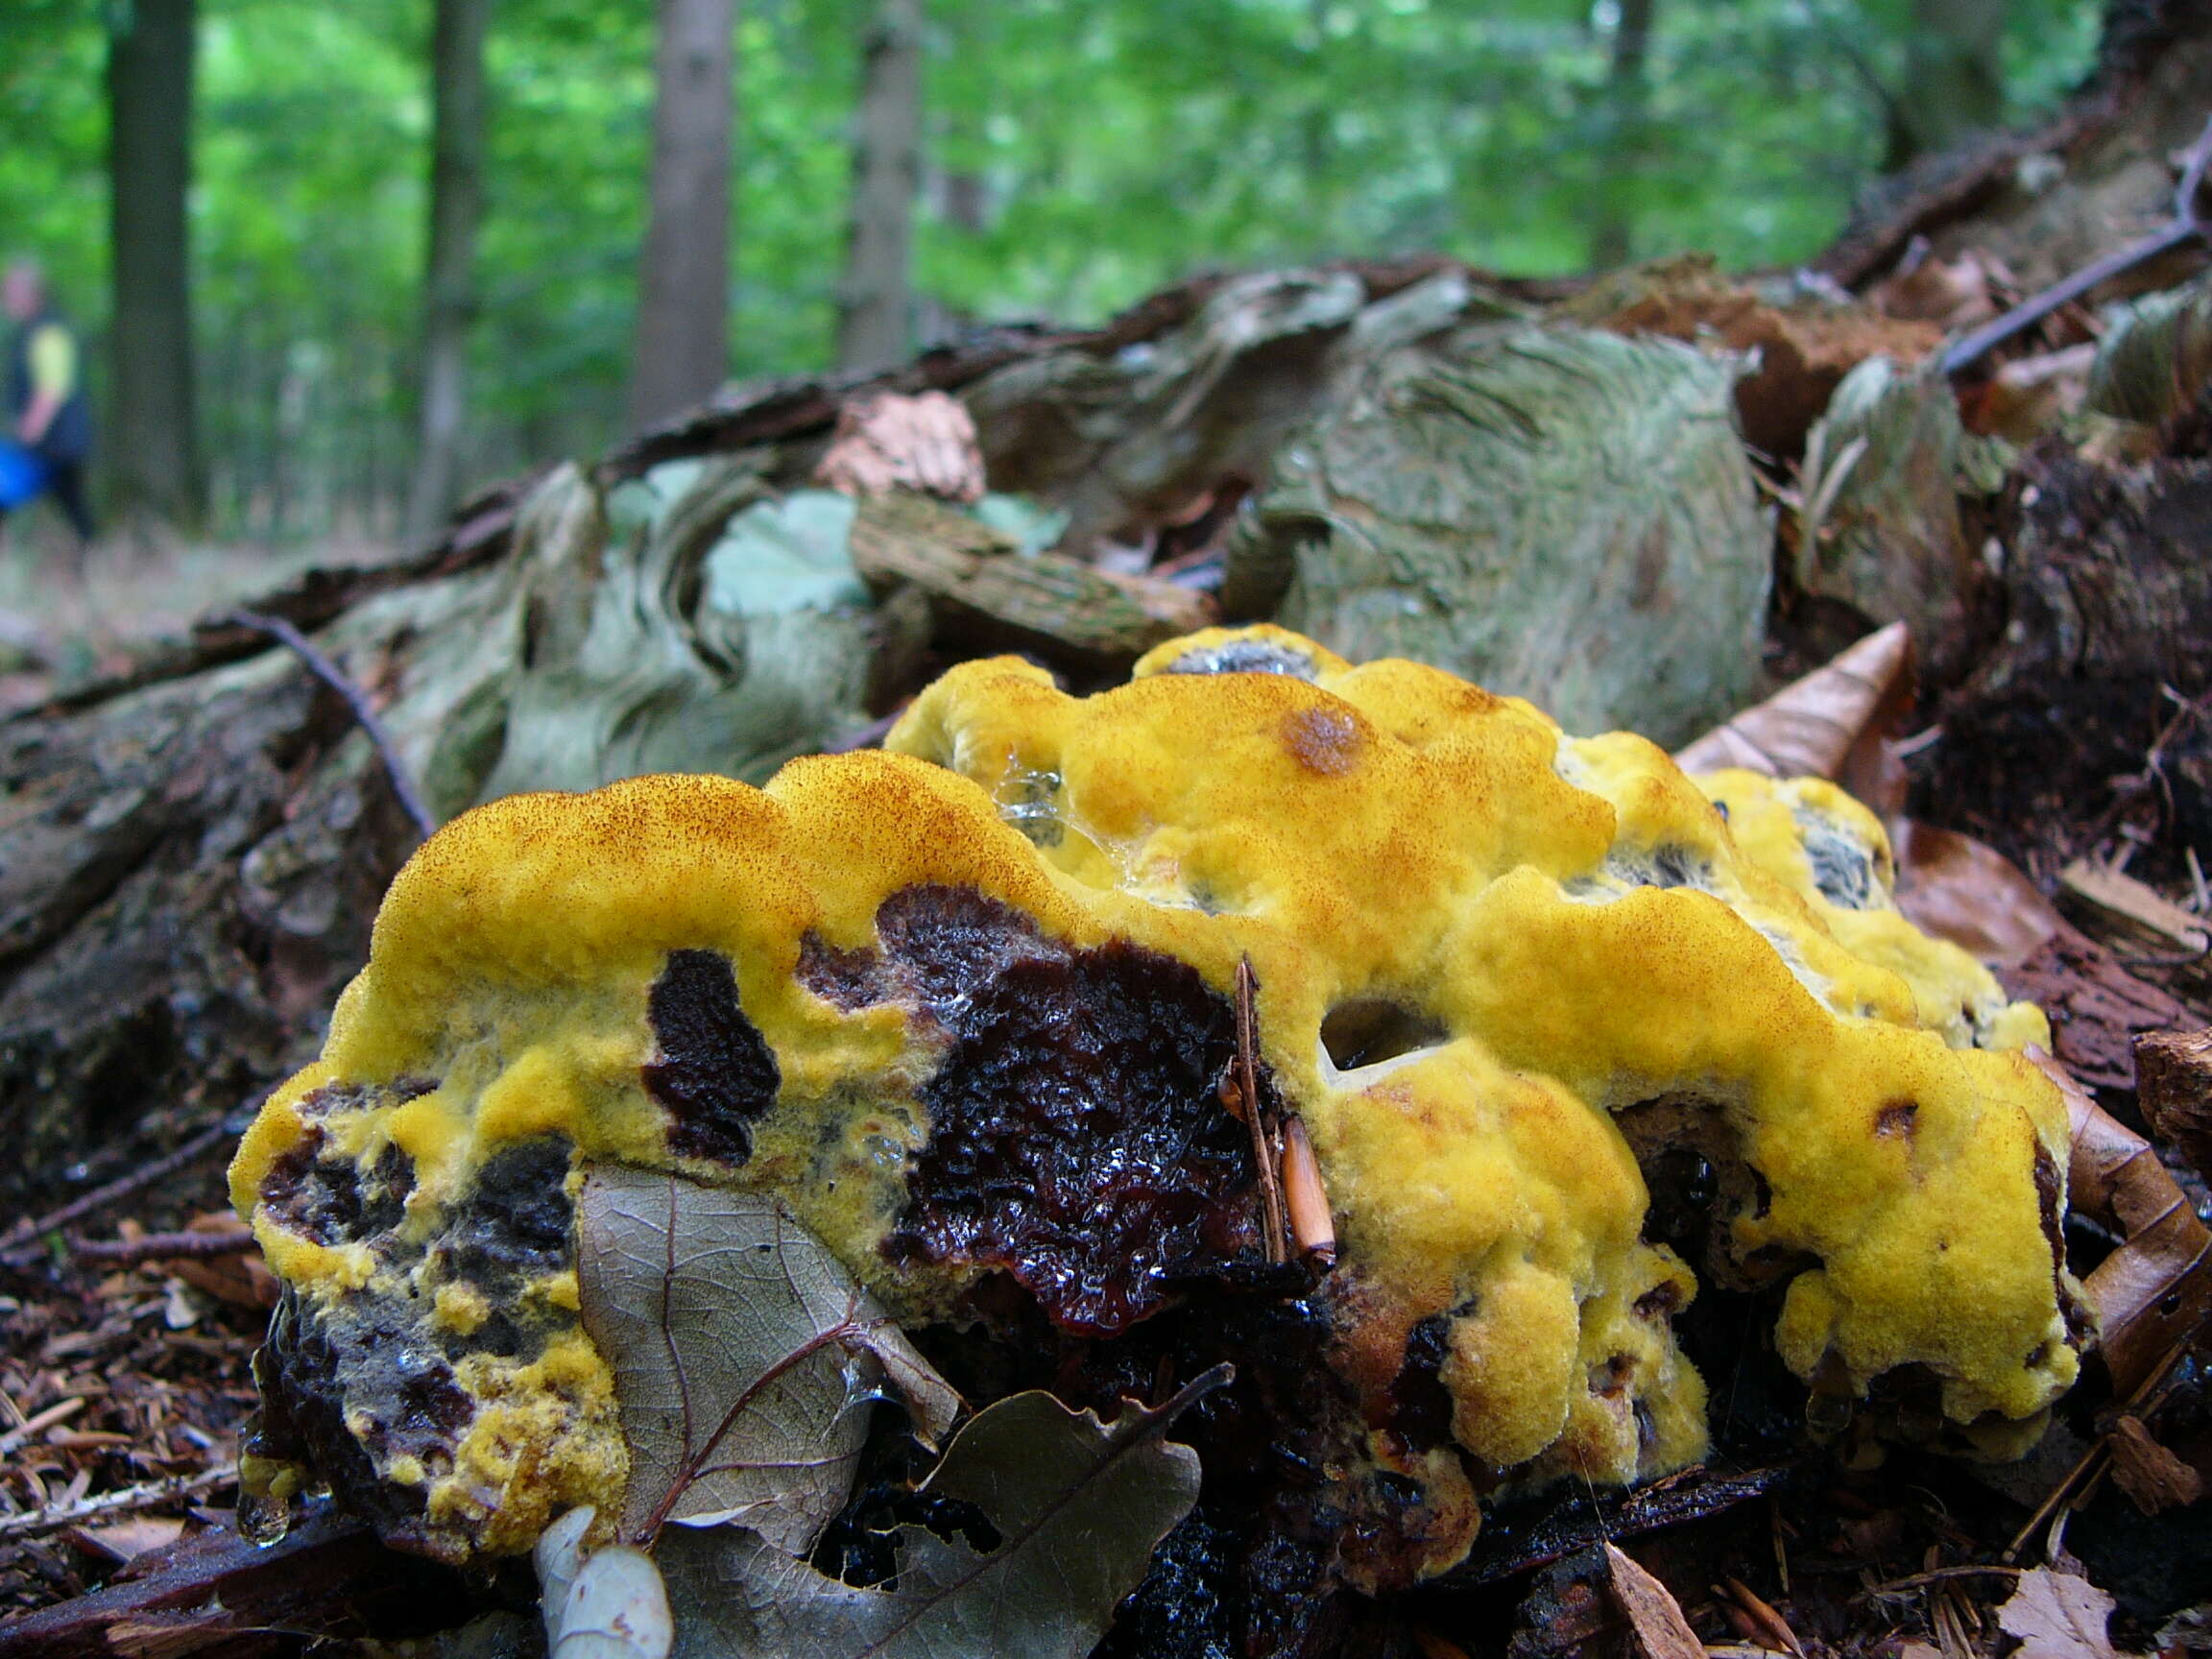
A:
x: 714, y: 1072
x: 1368, y: 1030
x: 1842, y: 866
x: 330, y: 1199
x: 511, y: 1226
x: 936, y: 946
x: 1246, y: 656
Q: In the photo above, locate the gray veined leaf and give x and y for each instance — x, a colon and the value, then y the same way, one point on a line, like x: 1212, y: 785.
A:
x: 744, y: 1356
x: 1079, y: 1507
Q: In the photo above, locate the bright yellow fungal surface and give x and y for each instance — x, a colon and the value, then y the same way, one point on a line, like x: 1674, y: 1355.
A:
x: 1555, y: 953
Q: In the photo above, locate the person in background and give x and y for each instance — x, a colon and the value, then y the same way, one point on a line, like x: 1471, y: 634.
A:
x: 47, y: 416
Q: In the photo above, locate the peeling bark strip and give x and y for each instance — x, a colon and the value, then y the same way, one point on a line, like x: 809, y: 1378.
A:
x: 716, y: 1074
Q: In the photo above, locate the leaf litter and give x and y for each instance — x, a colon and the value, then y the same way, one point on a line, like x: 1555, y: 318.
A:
x: 745, y: 1358
x: 1078, y: 1505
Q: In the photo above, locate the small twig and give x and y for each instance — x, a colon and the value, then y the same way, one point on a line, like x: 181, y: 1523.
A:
x: 2184, y: 228
x: 2090, y: 1465
x: 119, y: 1189
x: 163, y: 1247
x: 1246, y: 1080
x: 357, y: 700
x: 1311, y: 1226
x: 145, y: 1496
x: 61, y: 1411
x: 1938, y: 1576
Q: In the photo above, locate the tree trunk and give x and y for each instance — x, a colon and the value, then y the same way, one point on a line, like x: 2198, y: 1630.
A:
x: 874, y: 300
x: 1626, y: 92
x: 155, y: 467
x: 449, y: 285
x: 1953, y: 85
x: 684, y: 299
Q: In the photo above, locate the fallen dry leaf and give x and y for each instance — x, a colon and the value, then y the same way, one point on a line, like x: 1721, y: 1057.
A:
x: 2156, y: 1288
x: 121, y: 1541
x: 744, y: 1356
x: 2152, y: 1475
x: 1957, y: 888
x: 2057, y: 1616
x: 891, y: 442
x: 1078, y: 1505
x: 1828, y: 724
x: 1661, y: 1631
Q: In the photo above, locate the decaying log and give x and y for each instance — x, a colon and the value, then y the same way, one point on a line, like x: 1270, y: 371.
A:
x: 222, y: 1596
x: 2051, y: 200
x: 2073, y: 714
x: 2098, y: 1009
x: 1561, y: 514
x: 987, y: 593
x: 190, y: 853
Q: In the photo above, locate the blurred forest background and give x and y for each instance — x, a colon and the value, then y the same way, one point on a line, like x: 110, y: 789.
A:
x: 338, y: 263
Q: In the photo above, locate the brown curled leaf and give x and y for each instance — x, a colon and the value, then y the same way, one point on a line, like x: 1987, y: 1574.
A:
x: 1959, y: 889
x: 1828, y: 724
x: 2147, y: 1472
x: 743, y: 1354
x: 2156, y: 1288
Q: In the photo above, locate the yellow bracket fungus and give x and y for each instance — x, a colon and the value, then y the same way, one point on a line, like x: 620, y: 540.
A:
x: 966, y: 1007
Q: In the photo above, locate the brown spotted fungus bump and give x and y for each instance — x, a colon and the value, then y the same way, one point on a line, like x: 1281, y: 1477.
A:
x: 967, y: 1006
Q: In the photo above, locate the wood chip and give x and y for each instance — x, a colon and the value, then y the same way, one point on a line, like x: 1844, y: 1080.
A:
x: 2173, y: 1084
x: 2150, y: 1474
x: 984, y: 591
x: 1662, y: 1631
x: 2119, y: 903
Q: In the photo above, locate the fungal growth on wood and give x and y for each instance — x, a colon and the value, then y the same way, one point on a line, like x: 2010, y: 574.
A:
x: 1349, y: 1023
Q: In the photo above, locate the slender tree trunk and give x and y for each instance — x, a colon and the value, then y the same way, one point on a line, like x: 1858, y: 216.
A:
x: 154, y: 451
x: 684, y: 299
x: 449, y: 277
x: 1628, y: 90
x: 876, y: 299
x: 1953, y: 85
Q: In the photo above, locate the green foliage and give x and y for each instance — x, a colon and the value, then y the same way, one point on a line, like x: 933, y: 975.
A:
x: 1080, y: 153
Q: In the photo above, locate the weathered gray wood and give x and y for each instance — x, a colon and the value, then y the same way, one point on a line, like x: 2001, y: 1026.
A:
x: 1561, y: 513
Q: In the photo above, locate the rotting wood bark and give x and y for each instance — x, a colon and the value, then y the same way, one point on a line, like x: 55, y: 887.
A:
x: 192, y: 849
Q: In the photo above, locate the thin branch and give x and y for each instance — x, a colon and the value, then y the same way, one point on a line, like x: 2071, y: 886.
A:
x: 2185, y: 228
x: 117, y: 1189
x: 357, y: 700
x: 1265, y: 1154
x: 163, y: 1247
x: 130, y: 1497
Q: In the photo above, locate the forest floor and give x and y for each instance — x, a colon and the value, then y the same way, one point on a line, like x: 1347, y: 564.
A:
x: 68, y: 612
x: 126, y: 1381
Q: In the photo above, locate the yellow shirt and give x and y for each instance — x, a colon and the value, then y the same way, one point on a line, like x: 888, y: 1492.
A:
x: 53, y: 362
